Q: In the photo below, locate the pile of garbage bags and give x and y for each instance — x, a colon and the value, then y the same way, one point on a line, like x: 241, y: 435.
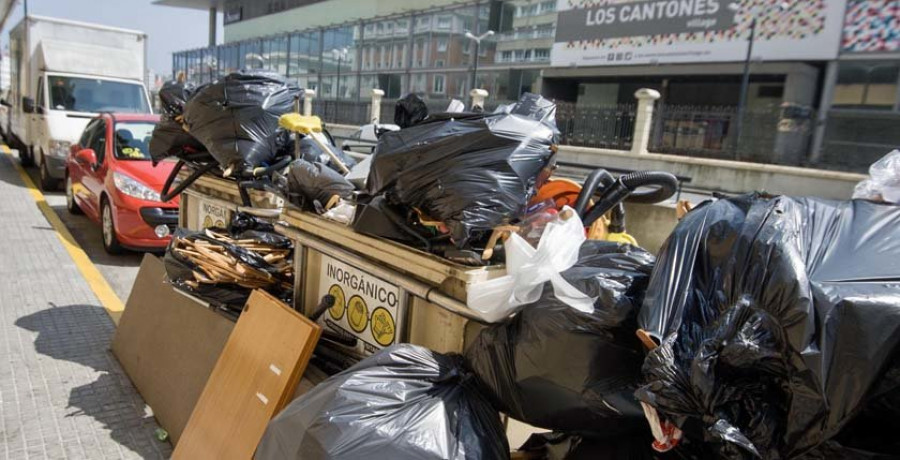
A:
x: 555, y: 367
x: 778, y: 322
x: 234, y: 120
x: 406, y: 402
x: 468, y: 172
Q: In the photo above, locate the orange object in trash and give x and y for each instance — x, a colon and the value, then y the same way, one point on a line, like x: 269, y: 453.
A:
x: 563, y: 192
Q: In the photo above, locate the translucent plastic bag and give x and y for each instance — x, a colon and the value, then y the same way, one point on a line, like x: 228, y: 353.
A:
x: 527, y: 269
x: 883, y: 183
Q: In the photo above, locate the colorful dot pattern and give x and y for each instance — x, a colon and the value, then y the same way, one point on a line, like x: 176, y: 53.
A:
x: 871, y: 26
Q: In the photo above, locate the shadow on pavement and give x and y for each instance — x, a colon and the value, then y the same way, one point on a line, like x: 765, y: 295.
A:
x: 82, y: 334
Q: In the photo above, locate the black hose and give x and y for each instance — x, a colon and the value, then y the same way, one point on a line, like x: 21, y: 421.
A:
x: 667, y: 183
x: 166, y: 195
x: 626, y: 185
x: 596, y: 179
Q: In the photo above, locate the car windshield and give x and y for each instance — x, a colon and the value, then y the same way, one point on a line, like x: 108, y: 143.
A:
x: 93, y: 95
x: 133, y: 139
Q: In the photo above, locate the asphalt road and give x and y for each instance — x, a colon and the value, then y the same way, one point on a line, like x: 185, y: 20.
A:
x: 119, y: 270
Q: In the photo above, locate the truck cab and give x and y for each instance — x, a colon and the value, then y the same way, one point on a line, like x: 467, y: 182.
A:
x: 64, y: 105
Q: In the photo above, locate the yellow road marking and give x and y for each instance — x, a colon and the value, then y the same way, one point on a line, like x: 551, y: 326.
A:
x: 95, y: 280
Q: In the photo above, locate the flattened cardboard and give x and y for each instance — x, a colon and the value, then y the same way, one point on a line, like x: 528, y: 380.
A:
x: 168, y: 345
x: 255, y: 377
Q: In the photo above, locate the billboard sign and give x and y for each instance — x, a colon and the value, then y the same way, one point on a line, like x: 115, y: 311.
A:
x: 617, y: 32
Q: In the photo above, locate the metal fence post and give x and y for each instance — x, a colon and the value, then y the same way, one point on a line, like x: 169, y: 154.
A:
x: 308, y: 96
x: 478, y: 97
x: 375, y: 113
x: 643, y: 120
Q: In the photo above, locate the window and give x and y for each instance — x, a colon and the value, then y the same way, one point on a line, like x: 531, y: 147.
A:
x: 437, y: 85
x: 94, y: 95
x: 506, y: 56
x: 526, y: 10
x: 442, y: 45
x: 439, y: 63
x: 40, y: 92
x: 85, y: 139
x: 422, y: 23
x: 868, y: 85
x: 98, y: 141
x: 542, y: 54
x: 133, y: 140
x: 444, y: 22
x: 544, y: 30
x: 548, y: 6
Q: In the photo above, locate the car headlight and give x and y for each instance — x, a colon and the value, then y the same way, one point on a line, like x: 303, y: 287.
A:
x: 59, y: 149
x: 133, y: 188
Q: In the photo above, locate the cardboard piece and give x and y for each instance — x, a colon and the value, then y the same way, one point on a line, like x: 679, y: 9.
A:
x: 168, y: 344
x: 253, y: 380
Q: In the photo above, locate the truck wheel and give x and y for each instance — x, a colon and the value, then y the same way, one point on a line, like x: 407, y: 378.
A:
x: 48, y: 183
x: 25, y: 156
x: 108, y: 228
x: 71, y: 204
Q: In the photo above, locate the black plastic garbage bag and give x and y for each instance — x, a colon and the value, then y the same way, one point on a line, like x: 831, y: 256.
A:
x: 236, y: 118
x: 313, y: 153
x: 778, y: 319
x: 406, y: 402
x: 555, y: 367
x: 245, y: 226
x: 410, y: 111
x: 173, y: 95
x: 169, y: 139
x: 470, y: 171
x: 316, y: 182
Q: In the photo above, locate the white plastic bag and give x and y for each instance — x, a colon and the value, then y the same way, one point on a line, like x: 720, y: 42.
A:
x: 883, y: 183
x: 342, y: 213
x: 527, y: 269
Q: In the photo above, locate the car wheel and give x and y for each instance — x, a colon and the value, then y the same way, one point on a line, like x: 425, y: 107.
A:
x: 48, y: 183
x: 71, y: 204
x: 25, y: 156
x: 108, y: 228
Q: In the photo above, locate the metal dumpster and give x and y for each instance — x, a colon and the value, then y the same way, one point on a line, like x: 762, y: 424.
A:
x: 385, y: 292
x: 211, y: 200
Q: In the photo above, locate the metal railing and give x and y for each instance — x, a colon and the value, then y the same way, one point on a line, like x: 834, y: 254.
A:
x: 700, y: 131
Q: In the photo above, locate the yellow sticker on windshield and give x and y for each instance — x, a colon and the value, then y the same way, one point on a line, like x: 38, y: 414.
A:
x: 132, y: 152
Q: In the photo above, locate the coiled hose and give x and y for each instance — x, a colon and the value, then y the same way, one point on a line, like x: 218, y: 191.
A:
x: 596, y: 179
x: 624, y: 187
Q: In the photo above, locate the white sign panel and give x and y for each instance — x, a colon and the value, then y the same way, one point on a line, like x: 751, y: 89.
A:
x: 622, y: 32
x: 213, y: 215
x: 366, y: 308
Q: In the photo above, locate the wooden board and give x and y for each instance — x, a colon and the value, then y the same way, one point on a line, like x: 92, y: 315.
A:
x: 253, y: 380
x: 168, y: 344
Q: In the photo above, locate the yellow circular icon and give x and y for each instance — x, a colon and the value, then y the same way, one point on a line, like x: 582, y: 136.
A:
x: 220, y: 224
x: 357, y: 313
x: 207, y: 222
x: 383, y: 329
x: 337, y: 310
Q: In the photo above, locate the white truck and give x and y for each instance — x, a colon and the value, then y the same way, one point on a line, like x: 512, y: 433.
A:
x: 63, y: 73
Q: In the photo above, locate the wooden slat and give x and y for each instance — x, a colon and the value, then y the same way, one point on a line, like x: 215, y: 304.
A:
x: 255, y: 377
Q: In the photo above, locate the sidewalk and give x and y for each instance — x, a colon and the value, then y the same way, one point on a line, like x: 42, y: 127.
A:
x: 63, y: 395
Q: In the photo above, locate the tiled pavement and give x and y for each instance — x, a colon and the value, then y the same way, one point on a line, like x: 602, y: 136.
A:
x: 63, y: 395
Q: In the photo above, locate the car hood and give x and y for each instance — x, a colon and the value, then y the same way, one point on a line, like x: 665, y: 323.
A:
x: 145, y: 172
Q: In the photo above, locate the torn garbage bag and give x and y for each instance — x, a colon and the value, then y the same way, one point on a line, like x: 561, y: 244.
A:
x: 558, y: 368
x: 776, y: 316
x: 406, y: 402
x: 173, y: 95
x: 236, y: 118
x: 472, y: 172
x: 527, y: 269
x: 309, y: 183
x: 169, y: 137
x: 410, y: 111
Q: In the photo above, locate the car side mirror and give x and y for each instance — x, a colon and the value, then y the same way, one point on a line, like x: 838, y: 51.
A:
x: 86, y: 157
x: 27, y: 104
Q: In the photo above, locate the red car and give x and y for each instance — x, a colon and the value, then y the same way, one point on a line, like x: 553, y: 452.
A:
x: 110, y: 178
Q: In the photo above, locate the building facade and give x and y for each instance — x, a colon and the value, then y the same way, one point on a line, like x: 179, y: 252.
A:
x: 822, y: 92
